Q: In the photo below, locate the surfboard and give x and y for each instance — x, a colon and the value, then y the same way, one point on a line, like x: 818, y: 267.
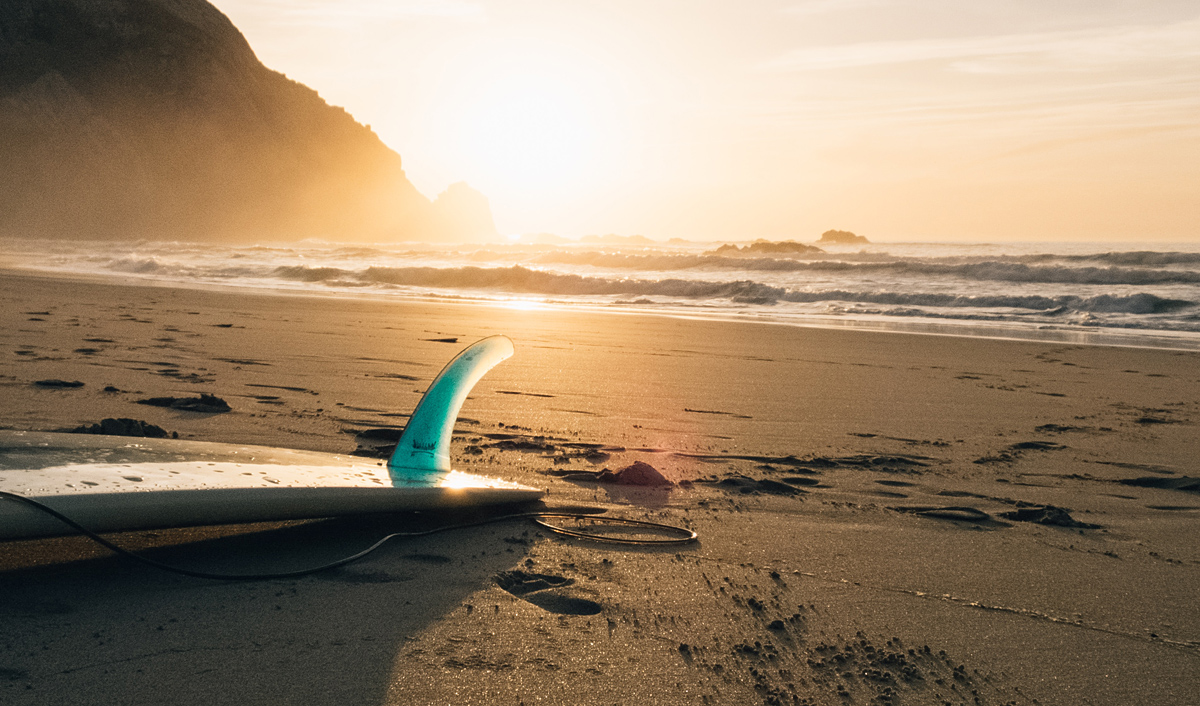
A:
x: 111, y: 483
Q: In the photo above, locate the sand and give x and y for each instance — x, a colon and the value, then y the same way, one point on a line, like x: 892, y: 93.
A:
x: 867, y: 505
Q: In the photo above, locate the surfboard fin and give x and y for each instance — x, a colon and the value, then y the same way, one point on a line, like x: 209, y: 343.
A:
x: 424, y: 447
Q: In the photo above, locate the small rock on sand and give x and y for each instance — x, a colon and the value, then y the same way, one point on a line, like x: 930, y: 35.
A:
x: 637, y: 473
x: 123, y: 427
x: 60, y: 384
x: 208, y: 404
x: 1186, y: 483
x: 1047, y: 515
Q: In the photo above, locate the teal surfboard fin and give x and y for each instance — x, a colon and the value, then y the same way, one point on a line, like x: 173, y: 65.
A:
x: 424, y: 447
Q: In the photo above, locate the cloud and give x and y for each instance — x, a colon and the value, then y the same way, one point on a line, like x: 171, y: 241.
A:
x: 1078, y: 50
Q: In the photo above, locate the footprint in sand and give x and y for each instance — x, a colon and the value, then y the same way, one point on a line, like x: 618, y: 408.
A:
x: 542, y: 591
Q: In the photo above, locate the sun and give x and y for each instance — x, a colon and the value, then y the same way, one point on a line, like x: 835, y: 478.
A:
x: 533, y: 130
x: 529, y: 120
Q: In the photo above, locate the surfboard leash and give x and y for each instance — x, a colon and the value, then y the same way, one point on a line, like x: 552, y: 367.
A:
x: 683, y: 536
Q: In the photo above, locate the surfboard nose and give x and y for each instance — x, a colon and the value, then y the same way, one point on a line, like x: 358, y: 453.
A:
x: 424, y: 447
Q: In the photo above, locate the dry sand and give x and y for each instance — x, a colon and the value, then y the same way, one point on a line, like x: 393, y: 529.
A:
x: 825, y: 571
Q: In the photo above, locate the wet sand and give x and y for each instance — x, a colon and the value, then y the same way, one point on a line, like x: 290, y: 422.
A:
x: 883, y: 518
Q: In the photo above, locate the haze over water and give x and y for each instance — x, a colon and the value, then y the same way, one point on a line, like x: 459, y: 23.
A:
x: 905, y: 120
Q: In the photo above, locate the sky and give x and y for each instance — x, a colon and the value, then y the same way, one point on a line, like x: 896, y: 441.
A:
x: 900, y: 120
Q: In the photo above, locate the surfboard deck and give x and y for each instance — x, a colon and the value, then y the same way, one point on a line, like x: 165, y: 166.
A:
x: 109, y: 483
x: 114, y: 483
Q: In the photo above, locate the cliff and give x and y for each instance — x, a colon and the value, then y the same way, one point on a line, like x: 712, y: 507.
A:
x: 154, y: 119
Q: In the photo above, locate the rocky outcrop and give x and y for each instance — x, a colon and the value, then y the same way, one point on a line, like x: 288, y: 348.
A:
x: 767, y: 248
x: 463, y: 212
x: 154, y: 118
x: 842, y: 237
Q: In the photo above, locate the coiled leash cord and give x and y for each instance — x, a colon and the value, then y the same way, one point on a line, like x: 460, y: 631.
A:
x: 685, y: 536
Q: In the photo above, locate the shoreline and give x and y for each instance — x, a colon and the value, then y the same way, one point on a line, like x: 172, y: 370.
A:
x: 1155, y: 339
x: 857, y: 494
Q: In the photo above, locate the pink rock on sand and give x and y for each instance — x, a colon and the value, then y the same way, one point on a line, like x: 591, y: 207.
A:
x: 638, y: 473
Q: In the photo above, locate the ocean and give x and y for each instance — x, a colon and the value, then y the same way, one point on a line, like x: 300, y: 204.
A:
x: 1102, y: 293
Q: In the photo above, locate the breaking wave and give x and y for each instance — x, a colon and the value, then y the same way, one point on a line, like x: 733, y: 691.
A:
x: 1036, y: 286
x: 1144, y: 258
x: 522, y: 280
x: 995, y: 270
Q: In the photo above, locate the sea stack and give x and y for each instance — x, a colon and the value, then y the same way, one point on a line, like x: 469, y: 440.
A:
x: 842, y: 237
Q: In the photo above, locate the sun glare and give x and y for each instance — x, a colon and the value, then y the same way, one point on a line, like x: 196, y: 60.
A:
x: 532, y: 119
x: 533, y: 131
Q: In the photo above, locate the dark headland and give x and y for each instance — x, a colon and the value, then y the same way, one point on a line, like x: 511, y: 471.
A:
x: 154, y: 118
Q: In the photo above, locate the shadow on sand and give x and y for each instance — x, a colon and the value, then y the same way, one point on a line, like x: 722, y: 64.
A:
x: 82, y: 625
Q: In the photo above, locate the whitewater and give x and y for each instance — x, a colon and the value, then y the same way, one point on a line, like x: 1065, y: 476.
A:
x: 1120, y: 294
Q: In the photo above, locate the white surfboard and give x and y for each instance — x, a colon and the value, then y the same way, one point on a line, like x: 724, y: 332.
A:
x: 110, y: 483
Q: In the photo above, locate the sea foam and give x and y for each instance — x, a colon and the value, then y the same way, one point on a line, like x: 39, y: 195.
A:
x: 1057, y: 286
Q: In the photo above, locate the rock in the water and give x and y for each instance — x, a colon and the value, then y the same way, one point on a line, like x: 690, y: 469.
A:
x: 842, y: 236
x: 766, y: 247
